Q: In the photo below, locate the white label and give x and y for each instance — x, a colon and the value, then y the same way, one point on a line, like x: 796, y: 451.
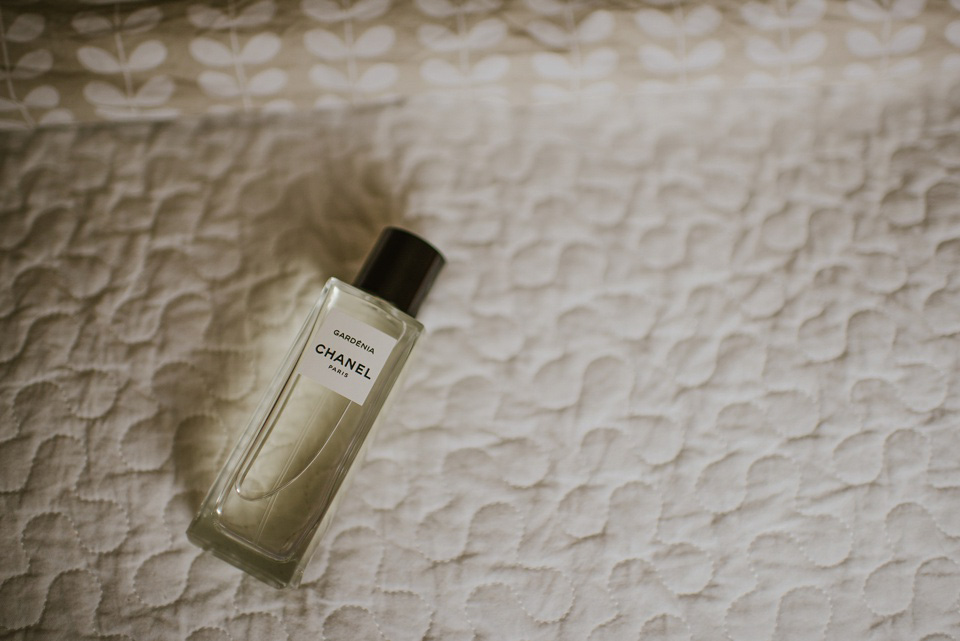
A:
x: 346, y: 355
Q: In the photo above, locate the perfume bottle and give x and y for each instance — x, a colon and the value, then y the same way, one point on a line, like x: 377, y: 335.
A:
x: 275, y: 496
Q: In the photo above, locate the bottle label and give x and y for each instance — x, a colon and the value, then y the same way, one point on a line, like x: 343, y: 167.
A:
x: 346, y: 355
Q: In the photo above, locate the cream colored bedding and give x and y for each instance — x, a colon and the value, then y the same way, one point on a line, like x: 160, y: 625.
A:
x: 691, y: 370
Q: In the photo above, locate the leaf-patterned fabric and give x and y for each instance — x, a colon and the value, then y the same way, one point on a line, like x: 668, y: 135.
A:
x: 76, y: 62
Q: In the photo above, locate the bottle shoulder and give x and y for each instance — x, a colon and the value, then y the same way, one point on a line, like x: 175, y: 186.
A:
x: 372, y: 309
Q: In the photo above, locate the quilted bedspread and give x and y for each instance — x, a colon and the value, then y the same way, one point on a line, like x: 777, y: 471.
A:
x: 692, y: 371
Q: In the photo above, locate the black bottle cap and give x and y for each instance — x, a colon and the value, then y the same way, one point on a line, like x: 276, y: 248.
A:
x: 400, y: 269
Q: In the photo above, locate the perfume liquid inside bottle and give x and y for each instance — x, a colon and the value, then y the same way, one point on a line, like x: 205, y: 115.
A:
x: 276, y: 494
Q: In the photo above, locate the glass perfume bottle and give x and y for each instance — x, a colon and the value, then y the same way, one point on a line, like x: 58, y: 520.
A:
x: 275, y: 496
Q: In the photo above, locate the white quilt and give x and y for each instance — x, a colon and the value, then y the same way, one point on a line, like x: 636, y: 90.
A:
x: 691, y: 371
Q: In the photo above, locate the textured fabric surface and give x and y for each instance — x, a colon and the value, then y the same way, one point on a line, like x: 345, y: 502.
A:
x: 691, y: 371
x: 83, y: 61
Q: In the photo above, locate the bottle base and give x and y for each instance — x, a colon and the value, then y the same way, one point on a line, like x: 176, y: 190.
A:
x: 278, y: 573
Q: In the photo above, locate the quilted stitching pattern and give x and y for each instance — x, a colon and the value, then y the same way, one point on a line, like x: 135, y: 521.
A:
x: 691, y: 369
